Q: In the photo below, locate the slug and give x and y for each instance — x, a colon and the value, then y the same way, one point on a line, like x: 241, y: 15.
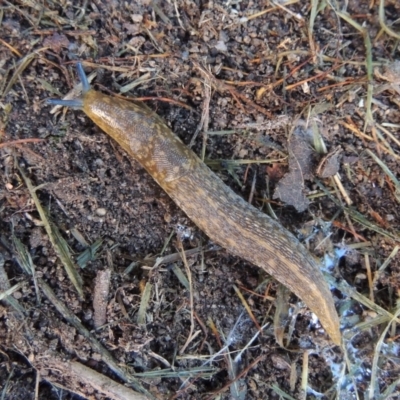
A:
x: 221, y: 214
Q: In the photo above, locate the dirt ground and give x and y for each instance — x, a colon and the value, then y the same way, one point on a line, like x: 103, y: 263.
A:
x: 237, y: 79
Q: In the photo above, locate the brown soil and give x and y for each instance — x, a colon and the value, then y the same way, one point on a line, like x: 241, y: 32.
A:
x: 206, y: 67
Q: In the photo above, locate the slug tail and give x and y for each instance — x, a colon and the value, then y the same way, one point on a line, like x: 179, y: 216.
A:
x: 245, y: 232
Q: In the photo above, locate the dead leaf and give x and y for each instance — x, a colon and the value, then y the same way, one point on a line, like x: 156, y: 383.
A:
x: 329, y: 165
x: 56, y: 42
x: 291, y: 188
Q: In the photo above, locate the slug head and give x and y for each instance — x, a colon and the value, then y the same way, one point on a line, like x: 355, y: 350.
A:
x: 137, y: 129
x: 74, y: 103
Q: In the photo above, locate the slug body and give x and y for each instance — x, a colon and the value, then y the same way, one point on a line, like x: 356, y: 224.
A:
x: 224, y: 216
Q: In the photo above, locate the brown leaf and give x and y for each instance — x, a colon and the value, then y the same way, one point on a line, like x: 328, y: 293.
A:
x: 291, y: 188
x: 56, y: 42
x: 329, y: 165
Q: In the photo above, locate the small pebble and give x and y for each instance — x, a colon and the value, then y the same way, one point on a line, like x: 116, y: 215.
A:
x: 101, y: 212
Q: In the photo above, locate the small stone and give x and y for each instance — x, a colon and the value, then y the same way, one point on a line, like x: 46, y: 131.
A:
x: 101, y: 212
x: 137, y: 17
x: 221, y: 46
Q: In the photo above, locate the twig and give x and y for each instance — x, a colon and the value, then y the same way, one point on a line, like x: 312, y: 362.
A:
x: 369, y: 276
x: 100, y: 297
x: 82, y: 376
x: 304, y: 375
x: 20, y: 141
x: 338, y: 182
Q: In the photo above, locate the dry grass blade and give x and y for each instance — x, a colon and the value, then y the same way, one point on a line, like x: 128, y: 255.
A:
x: 5, y: 387
x: 5, y: 285
x: 348, y: 290
x: 23, y: 64
x: 225, y: 132
x: 8, y: 292
x: 228, y: 341
x: 282, y: 6
x: 181, y: 276
x: 238, y: 387
x: 197, y: 372
x: 304, y: 375
x: 338, y: 182
x: 144, y: 304
x: 25, y: 261
x: 130, y: 268
x: 261, y: 13
x: 374, y: 387
x: 388, y: 133
x: 381, y: 146
x: 205, y: 118
x: 382, y: 268
x: 318, y: 140
x: 137, y: 82
x: 189, y: 274
x: 50, y: 88
x: 360, y: 218
x: 383, y: 23
x: 13, y: 49
x: 59, y: 244
x: 372, y: 323
x: 247, y: 307
x: 391, y: 392
x: 347, y: 375
x: 313, y: 15
x: 243, y: 373
x: 235, y: 163
x: 281, y: 393
x: 155, y: 262
x: 89, y: 254
x: 388, y: 172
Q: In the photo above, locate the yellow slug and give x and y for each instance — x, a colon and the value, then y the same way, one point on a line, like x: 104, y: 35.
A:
x: 224, y: 216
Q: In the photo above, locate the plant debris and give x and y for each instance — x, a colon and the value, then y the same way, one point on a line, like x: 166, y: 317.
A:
x: 291, y: 187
